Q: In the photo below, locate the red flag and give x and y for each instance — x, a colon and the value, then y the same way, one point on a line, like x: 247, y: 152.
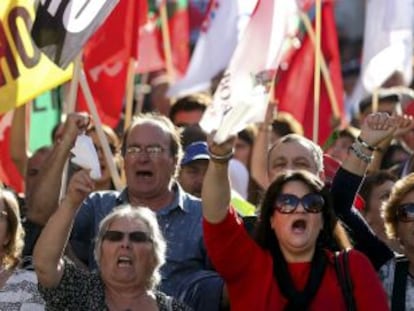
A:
x: 294, y: 85
x: 106, y: 59
x: 9, y: 175
x: 151, y: 47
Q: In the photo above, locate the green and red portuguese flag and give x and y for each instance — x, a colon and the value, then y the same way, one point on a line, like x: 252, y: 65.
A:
x: 151, y: 43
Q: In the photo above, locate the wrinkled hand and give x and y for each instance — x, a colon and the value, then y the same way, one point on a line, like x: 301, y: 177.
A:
x: 378, y: 127
x: 75, y: 124
x: 79, y: 187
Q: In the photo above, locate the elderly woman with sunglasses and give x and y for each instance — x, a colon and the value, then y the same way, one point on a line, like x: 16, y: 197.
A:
x: 129, y: 251
x: 289, y: 265
x: 397, y: 274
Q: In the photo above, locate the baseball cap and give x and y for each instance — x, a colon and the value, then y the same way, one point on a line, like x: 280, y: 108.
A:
x: 195, y: 151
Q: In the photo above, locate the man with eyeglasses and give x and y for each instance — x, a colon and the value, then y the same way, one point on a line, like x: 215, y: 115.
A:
x: 152, y: 152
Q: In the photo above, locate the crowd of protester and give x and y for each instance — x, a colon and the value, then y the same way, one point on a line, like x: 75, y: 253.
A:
x: 267, y: 220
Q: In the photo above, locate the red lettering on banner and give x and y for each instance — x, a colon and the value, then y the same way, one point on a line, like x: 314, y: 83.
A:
x: 7, y: 53
x: 15, y: 14
x: 29, y: 61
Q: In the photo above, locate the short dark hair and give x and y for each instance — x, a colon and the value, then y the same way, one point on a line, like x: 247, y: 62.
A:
x: 198, y: 101
x: 192, y: 133
x: 372, y: 180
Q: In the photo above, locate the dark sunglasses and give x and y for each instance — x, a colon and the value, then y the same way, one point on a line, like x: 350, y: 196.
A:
x: 405, y: 212
x: 135, y: 236
x: 287, y: 203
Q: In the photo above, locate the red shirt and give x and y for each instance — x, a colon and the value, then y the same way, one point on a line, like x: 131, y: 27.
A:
x: 248, y: 272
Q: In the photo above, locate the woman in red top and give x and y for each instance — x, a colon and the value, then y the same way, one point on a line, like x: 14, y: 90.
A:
x: 289, y: 265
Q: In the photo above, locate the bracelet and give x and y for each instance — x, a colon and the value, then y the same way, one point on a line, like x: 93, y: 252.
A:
x: 365, y: 144
x: 220, y: 158
x: 360, y: 154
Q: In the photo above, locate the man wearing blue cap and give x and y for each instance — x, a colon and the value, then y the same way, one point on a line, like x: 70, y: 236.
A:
x: 193, y: 167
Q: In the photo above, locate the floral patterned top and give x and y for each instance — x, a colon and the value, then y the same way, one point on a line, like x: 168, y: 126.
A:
x: 386, y: 274
x: 83, y: 291
x: 20, y: 292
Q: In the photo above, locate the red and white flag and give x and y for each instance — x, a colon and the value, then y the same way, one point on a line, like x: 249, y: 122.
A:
x: 152, y: 47
x: 241, y: 97
x: 225, y: 21
x: 295, y: 81
x: 388, y: 44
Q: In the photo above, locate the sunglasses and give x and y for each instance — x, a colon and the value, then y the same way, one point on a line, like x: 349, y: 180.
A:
x: 135, y: 236
x: 405, y: 212
x: 287, y: 203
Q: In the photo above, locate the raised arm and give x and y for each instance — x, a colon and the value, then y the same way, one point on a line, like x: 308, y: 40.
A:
x: 375, y: 129
x: 50, y: 246
x: 18, y: 140
x: 216, y: 185
x: 43, y: 200
x: 258, y: 167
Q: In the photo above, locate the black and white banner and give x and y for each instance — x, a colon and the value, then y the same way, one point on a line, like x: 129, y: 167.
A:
x: 62, y: 27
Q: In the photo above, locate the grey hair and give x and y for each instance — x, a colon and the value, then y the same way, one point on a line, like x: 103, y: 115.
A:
x: 316, y: 151
x: 148, y: 217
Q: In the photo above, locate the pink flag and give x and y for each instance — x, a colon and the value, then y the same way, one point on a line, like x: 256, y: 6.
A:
x: 220, y: 31
x: 241, y: 97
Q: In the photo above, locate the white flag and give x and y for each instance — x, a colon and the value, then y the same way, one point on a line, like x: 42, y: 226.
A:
x: 242, y: 95
x: 388, y: 44
x: 218, y: 38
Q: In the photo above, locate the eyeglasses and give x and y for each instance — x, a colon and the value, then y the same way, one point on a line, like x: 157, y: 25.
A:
x: 405, y: 212
x: 151, y: 150
x: 287, y: 203
x: 135, y: 236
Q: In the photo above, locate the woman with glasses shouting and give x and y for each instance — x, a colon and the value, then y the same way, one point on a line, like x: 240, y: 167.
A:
x: 129, y: 250
x: 290, y: 264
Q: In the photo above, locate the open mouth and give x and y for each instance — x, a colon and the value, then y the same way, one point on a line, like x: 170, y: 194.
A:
x: 124, y: 261
x: 299, y: 225
x: 145, y: 174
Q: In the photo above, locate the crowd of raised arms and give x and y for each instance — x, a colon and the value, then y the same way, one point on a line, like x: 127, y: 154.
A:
x: 266, y: 220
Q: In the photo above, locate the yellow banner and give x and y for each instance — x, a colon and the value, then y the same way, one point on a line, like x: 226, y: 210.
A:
x: 24, y: 71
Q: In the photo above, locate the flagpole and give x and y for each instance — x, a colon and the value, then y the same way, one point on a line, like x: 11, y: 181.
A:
x: 317, y: 82
x: 69, y: 108
x: 74, y: 83
x: 374, y: 102
x: 129, y: 93
x: 324, y: 68
x: 166, y: 41
x: 101, y: 135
